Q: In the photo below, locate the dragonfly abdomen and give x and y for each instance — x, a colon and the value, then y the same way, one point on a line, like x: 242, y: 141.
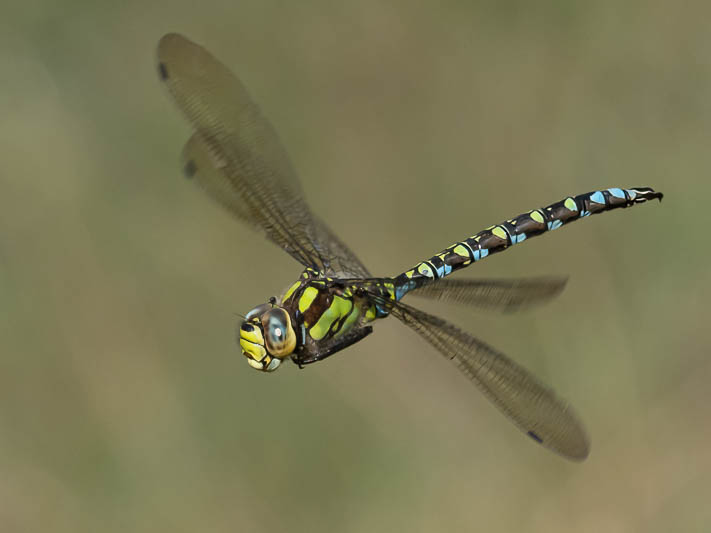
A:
x: 513, y: 231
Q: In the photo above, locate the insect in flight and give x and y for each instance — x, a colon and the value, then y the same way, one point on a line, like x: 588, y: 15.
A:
x: 236, y: 156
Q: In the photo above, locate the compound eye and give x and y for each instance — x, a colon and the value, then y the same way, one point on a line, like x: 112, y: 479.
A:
x: 278, y: 333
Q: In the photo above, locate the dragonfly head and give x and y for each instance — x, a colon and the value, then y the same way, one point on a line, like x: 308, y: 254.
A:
x: 267, y: 336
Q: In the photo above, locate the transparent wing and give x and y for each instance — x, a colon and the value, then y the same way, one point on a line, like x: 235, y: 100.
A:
x: 236, y: 156
x: 198, y: 164
x: 507, y: 295
x: 533, y: 407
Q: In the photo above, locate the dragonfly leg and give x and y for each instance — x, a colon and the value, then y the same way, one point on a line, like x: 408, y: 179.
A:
x: 307, y: 356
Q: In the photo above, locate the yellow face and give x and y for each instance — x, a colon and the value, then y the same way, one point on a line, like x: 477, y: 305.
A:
x: 267, y: 337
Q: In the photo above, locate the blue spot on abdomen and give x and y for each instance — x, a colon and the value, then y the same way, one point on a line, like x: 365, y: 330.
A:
x: 617, y: 193
x: 597, y: 197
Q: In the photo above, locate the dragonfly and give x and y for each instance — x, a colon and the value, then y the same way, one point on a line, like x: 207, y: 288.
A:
x: 236, y: 156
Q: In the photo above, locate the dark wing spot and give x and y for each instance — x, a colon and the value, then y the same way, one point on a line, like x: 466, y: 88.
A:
x: 162, y: 71
x: 535, y: 437
x: 190, y: 169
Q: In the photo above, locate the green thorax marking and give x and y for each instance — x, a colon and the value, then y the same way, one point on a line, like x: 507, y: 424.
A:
x: 327, y: 307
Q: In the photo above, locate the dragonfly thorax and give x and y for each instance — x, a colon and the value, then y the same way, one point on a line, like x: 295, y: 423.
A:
x: 267, y: 336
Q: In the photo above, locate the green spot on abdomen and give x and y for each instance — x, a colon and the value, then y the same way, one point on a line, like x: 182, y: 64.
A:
x: 500, y: 232
x: 462, y: 251
x: 537, y: 217
x: 570, y: 204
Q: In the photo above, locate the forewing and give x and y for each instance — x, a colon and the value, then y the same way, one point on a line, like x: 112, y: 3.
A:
x: 533, y: 407
x: 507, y: 295
x: 250, y: 172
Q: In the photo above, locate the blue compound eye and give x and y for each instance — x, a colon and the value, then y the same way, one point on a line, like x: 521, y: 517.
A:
x: 278, y: 332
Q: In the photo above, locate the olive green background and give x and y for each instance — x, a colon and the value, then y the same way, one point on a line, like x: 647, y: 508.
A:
x: 125, y: 404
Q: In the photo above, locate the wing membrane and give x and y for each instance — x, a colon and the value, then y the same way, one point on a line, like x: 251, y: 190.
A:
x: 532, y: 406
x: 507, y: 295
x: 199, y: 164
x: 236, y: 156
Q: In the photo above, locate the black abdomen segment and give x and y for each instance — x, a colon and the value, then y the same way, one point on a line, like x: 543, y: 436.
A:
x: 497, y: 238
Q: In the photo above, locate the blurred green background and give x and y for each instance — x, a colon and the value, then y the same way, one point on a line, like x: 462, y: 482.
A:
x: 125, y: 404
